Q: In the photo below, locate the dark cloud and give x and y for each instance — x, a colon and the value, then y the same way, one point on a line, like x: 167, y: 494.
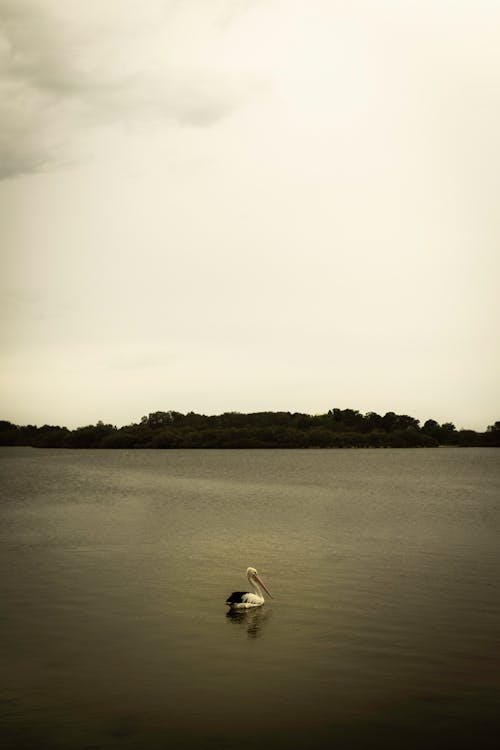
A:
x: 50, y: 97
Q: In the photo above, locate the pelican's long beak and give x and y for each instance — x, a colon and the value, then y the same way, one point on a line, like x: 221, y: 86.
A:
x: 259, y: 579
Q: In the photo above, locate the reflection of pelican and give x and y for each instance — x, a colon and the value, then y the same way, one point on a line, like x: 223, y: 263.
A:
x: 253, y: 619
x: 244, y: 600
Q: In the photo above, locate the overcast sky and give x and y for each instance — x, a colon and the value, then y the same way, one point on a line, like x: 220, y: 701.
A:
x: 244, y: 205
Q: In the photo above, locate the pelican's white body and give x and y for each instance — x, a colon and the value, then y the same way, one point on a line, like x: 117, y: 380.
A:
x: 246, y: 600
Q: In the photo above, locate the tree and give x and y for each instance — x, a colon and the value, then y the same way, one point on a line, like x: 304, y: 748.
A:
x: 404, y: 422
x: 373, y: 421
x: 161, y: 418
x: 449, y: 434
x: 432, y: 428
x: 389, y: 421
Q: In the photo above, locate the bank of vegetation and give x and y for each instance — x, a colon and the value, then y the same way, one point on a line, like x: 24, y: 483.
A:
x: 338, y: 428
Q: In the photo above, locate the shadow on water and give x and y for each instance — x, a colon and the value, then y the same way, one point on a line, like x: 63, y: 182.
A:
x: 253, y: 620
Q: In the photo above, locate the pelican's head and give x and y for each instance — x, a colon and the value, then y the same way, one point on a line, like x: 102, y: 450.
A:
x: 253, y: 575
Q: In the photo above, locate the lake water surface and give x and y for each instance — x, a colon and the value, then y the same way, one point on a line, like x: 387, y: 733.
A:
x: 384, y: 629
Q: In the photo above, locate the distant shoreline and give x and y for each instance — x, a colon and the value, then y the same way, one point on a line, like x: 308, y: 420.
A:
x: 267, y: 448
x: 338, y: 428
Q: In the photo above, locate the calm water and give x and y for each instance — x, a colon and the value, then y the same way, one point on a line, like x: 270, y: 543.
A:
x: 384, y: 630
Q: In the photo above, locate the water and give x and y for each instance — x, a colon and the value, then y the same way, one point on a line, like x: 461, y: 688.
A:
x: 384, y: 630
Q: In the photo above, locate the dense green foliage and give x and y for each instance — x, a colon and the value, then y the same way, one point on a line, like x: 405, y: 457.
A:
x: 338, y: 428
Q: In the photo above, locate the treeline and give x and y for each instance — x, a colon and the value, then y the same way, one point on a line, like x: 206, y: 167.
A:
x: 338, y: 428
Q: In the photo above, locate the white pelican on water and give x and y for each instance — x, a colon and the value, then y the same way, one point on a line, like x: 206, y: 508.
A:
x: 244, y: 600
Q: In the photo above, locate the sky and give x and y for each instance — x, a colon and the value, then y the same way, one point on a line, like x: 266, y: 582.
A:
x: 248, y: 205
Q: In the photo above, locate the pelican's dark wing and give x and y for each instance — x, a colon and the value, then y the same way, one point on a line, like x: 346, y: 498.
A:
x: 236, y: 597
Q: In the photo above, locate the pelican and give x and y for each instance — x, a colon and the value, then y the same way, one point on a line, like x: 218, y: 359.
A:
x: 243, y: 600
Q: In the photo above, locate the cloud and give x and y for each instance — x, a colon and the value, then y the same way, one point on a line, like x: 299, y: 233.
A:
x: 58, y: 80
